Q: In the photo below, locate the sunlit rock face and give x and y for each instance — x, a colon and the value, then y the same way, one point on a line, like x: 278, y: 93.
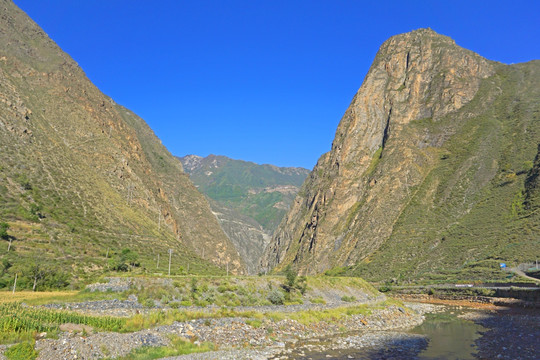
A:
x: 396, y: 160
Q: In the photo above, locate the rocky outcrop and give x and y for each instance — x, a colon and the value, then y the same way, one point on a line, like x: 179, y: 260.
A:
x: 249, y: 237
x: 420, y: 98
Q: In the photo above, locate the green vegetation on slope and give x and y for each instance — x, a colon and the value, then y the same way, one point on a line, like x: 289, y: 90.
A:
x: 468, y: 213
x: 246, y: 187
x: 82, y: 179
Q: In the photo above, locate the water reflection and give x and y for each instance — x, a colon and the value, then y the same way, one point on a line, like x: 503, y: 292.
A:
x: 441, y: 336
x: 449, y: 337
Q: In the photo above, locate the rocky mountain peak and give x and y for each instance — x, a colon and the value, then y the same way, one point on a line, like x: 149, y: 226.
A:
x: 415, y: 76
x: 191, y: 162
x: 418, y: 96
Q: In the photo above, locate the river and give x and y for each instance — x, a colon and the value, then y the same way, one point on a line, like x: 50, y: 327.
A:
x: 442, y: 335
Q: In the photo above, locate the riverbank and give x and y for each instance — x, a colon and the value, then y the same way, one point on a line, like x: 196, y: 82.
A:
x: 260, y: 336
x: 480, y: 302
x: 333, y: 317
x: 510, y: 333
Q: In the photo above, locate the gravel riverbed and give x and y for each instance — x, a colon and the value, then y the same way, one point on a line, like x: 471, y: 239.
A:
x: 234, y: 336
x: 380, y: 335
x: 510, y: 333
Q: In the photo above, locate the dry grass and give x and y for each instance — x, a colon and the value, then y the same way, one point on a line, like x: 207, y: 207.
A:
x: 8, y: 296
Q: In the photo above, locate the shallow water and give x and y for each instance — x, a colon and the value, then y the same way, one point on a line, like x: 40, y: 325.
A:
x: 449, y: 336
x: 441, y: 336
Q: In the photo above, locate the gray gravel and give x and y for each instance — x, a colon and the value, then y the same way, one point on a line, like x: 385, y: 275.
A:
x: 262, y: 342
x: 520, y: 329
x: 112, y: 284
x: 96, y: 346
x: 366, y: 345
x: 240, y: 354
x: 115, y: 307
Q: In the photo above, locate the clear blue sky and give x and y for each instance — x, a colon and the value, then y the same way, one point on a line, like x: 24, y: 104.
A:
x: 260, y: 80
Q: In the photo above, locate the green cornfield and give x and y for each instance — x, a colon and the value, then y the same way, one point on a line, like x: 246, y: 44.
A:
x: 21, y: 321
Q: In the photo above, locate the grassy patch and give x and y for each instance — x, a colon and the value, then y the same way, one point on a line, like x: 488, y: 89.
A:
x: 22, y: 351
x: 178, y: 346
x: 254, y: 323
x: 36, y: 297
x: 308, y: 317
x: 374, y: 162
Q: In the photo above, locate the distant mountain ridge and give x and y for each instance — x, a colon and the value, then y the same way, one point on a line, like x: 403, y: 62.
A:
x: 248, y: 199
x: 429, y: 175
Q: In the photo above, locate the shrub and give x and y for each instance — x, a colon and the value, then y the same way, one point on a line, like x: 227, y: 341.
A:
x: 149, y: 303
x: 125, y: 260
x: 194, y: 286
x: 276, y: 297
x: 254, y: 323
x: 4, y: 227
x: 21, y: 351
x: 348, y: 298
x: 302, y: 284
x: 291, y: 276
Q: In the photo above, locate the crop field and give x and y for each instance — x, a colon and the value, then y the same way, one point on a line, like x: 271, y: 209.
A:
x: 20, y: 296
x: 18, y: 322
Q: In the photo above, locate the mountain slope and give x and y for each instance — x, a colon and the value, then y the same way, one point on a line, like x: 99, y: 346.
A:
x: 248, y: 199
x: 424, y: 170
x: 82, y: 176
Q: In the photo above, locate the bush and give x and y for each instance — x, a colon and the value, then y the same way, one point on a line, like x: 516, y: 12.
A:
x: 174, y: 305
x: 291, y: 276
x: 125, y: 260
x: 276, y: 297
x: 348, y: 298
x: 302, y: 284
x: 194, y: 286
x: 149, y: 303
x: 21, y: 351
x: 4, y: 227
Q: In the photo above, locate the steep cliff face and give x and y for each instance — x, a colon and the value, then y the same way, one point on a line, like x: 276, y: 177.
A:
x: 81, y: 175
x: 248, y: 199
x: 425, y: 137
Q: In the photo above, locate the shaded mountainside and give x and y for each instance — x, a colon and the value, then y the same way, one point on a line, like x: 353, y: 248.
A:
x: 427, y: 169
x: 81, y: 177
x: 248, y: 199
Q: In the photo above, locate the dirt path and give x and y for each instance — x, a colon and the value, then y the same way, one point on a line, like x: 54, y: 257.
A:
x: 522, y: 274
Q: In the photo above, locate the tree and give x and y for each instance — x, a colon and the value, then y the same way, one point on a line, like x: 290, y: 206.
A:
x: 6, y: 264
x: 4, y: 227
x: 34, y: 273
x: 40, y: 275
x: 291, y: 275
x: 126, y: 260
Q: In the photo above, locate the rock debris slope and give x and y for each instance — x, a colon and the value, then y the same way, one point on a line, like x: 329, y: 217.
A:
x: 82, y: 177
x: 427, y: 168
